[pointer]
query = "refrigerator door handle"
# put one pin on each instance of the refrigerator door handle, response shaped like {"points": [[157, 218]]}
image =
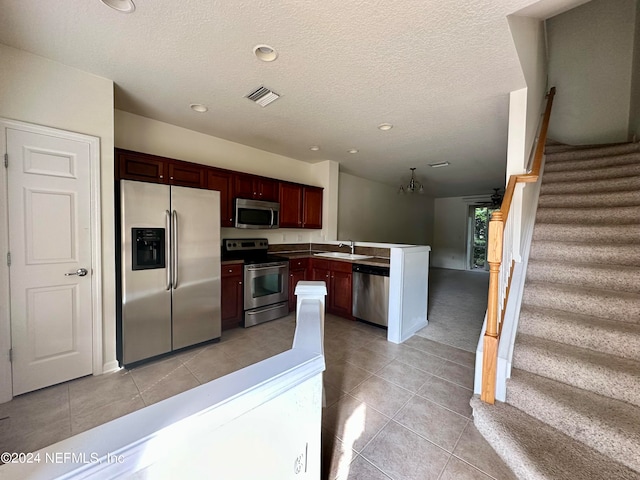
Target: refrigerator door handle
{"points": [[175, 248], [168, 247]]}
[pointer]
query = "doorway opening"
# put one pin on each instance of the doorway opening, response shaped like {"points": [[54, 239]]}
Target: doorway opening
{"points": [[478, 235]]}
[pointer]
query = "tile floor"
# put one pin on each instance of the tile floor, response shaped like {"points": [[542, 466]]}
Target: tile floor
{"points": [[393, 411]]}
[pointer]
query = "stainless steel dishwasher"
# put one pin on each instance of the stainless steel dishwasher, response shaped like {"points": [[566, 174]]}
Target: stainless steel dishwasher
{"points": [[371, 294]]}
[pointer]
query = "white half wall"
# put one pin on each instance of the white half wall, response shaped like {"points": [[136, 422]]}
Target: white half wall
{"points": [[374, 212], [449, 248], [40, 91], [141, 134], [590, 62]]}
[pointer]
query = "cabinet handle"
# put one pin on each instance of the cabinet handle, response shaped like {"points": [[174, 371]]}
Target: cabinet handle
{"points": [[161, 176], [239, 283], [170, 178], [230, 270]]}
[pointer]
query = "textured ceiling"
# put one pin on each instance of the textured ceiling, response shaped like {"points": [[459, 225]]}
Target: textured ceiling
{"points": [[439, 70]]}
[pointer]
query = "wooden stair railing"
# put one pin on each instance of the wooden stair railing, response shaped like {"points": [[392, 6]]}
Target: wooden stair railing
{"points": [[501, 265]]}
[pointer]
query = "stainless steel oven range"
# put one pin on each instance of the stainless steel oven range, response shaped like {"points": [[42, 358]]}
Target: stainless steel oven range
{"points": [[266, 285]]}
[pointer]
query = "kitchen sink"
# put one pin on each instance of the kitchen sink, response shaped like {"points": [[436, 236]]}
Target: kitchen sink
{"points": [[344, 256]]}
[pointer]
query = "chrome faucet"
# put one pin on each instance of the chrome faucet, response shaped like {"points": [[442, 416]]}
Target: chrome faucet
{"points": [[352, 246]]}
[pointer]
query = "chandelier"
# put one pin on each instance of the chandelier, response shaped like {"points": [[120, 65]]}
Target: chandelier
{"points": [[412, 186], [496, 198]]}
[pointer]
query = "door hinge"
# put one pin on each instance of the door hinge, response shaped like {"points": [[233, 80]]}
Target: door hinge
{"points": [[6, 160], [11, 355], [9, 259]]}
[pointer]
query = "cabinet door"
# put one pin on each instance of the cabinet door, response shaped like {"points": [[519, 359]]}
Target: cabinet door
{"points": [[294, 277], [221, 181], [187, 174], [267, 189], [340, 301], [243, 186], [142, 167], [290, 205], [312, 208], [231, 292]]}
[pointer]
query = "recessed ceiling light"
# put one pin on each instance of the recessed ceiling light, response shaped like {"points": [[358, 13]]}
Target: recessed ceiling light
{"points": [[352, 150], [198, 107], [265, 53], [385, 126], [314, 148], [124, 6], [440, 164]]}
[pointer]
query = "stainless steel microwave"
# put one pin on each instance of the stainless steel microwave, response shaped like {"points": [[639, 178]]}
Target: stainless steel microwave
{"points": [[257, 214]]}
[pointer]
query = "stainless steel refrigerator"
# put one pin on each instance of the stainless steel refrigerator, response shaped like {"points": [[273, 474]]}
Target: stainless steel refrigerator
{"points": [[170, 269]]}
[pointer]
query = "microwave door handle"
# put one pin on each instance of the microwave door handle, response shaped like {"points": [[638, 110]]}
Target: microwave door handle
{"points": [[272, 217], [167, 242]]}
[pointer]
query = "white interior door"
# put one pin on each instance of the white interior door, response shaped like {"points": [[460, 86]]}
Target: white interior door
{"points": [[49, 196]]}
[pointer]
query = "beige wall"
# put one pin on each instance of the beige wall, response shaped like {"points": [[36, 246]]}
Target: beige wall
{"points": [[141, 134], [36, 90], [590, 61], [373, 212], [449, 249], [528, 38]]}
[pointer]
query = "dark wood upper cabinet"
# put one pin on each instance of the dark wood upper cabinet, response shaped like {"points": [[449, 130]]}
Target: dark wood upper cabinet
{"points": [[222, 181], [187, 174], [312, 207], [290, 205], [300, 206], [254, 187], [140, 166]]}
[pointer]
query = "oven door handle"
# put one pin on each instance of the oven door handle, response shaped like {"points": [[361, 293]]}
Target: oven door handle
{"points": [[264, 309], [253, 269]]}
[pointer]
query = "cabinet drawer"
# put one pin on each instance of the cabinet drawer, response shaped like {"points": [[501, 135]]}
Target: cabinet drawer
{"points": [[298, 264], [232, 270]]}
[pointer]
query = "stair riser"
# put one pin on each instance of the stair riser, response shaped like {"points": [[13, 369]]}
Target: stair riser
{"points": [[587, 164], [601, 216], [586, 253], [613, 278], [587, 233], [606, 439], [564, 152], [601, 380], [599, 200], [593, 174], [592, 186], [584, 303], [621, 342]]}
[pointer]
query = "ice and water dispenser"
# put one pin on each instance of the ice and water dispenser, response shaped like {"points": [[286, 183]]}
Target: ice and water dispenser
{"points": [[148, 248]]}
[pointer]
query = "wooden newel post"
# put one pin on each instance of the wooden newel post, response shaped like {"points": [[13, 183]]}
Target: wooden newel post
{"points": [[490, 348]]}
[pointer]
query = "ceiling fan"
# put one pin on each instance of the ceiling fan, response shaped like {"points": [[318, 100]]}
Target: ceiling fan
{"points": [[495, 199]]}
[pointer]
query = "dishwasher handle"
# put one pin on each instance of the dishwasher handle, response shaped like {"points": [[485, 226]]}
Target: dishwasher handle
{"points": [[370, 270]]}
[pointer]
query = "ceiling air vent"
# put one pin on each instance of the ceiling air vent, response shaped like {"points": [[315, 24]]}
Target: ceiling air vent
{"points": [[263, 96]]}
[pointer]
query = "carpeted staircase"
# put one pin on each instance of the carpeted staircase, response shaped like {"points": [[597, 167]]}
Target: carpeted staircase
{"points": [[573, 399]]}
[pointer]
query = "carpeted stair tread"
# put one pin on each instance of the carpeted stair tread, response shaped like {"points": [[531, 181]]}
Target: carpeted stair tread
{"points": [[586, 331], [598, 215], [615, 254], [587, 200], [624, 278], [604, 424], [592, 186], [600, 173], [536, 451], [590, 163], [573, 152], [598, 372], [608, 304], [605, 234]]}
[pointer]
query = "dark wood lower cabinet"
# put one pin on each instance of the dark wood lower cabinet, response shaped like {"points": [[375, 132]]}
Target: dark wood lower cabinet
{"points": [[338, 277], [232, 299], [298, 270]]}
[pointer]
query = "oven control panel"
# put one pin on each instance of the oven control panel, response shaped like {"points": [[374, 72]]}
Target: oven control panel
{"points": [[245, 244]]}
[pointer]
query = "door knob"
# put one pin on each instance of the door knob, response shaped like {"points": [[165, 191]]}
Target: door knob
{"points": [[81, 272]]}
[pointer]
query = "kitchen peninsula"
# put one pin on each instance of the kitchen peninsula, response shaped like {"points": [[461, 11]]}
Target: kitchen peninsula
{"points": [[332, 262]]}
